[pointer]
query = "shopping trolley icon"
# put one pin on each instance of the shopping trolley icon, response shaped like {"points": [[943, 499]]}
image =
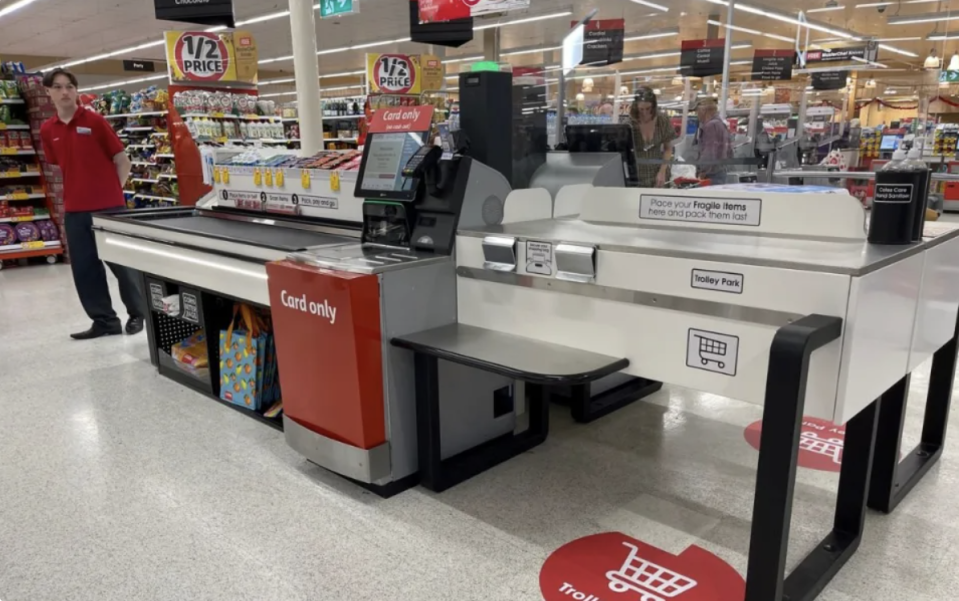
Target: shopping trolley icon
{"points": [[653, 582], [712, 351], [830, 447]]}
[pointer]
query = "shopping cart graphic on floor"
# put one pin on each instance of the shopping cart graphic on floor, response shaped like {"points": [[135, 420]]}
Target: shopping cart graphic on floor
{"points": [[830, 447], [653, 582], [711, 350]]}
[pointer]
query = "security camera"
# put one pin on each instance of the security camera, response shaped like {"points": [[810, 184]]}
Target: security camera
{"points": [[881, 9]]}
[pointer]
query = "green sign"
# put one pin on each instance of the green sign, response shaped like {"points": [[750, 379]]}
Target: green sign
{"points": [[335, 8], [949, 77]]}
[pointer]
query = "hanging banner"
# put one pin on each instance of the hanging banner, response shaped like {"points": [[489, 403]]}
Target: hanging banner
{"points": [[403, 73], [483, 7], [603, 41], [201, 12], [865, 53], [773, 65], [202, 56], [438, 11], [701, 58], [829, 80]]}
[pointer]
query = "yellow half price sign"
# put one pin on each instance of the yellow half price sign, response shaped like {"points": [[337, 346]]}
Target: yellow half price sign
{"points": [[335, 181]]}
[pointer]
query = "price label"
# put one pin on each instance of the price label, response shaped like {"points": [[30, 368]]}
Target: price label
{"points": [[217, 115], [7, 150], [280, 178], [33, 245], [257, 177], [24, 218], [226, 175], [216, 175], [18, 196], [305, 179], [3, 126], [11, 173], [335, 181], [268, 176]]}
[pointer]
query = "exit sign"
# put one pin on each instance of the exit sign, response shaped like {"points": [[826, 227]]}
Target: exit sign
{"points": [[335, 8]]}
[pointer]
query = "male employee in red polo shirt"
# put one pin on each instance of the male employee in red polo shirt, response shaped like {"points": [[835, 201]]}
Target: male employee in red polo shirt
{"points": [[94, 167]]}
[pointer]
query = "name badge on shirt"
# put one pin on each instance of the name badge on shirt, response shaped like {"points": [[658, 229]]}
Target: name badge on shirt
{"points": [[86, 131]]}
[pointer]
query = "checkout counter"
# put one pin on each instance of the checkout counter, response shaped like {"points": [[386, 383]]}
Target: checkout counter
{"points": [[773, 299]]}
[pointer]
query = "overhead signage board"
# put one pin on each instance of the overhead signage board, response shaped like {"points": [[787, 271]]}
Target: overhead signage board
{"points": [[701, 58], [201, 12], [143, 66], [441, 11], [403, 73], [484, 7], [835, 55], [949, 77], [207, 57], [603, 41], [773, 65], [338, 8], [829, 80]]}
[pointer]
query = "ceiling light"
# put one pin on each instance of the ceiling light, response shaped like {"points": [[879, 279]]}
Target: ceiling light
{"points": [[514, 53], [344, 74], [878, 4], [274, 82], [526, 20], [16, 5], [788, 19], [127, 82], [260, 19], [779, 37], [927, 18], [651, 36], [652, 5], [467, 59], [734, 27], [826, 9], [912, 39], [898, 50]]}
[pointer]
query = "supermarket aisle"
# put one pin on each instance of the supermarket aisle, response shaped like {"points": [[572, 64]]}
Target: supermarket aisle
{"points": [[117, 484]]}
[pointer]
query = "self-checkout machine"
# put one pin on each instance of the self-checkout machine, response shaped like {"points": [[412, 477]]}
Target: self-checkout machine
{"points": [[349, 398], [773, 299]]}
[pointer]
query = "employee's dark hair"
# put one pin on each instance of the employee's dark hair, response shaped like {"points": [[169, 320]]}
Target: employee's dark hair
{"points": [[48, 78], [643, 94]]}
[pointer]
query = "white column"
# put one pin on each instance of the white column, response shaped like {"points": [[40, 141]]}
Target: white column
{"points": [[491, 44], [617, 103], [727, 58], [306, 66]]}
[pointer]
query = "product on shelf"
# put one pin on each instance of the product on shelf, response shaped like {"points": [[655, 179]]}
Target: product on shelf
{"points": [[348, 160], [191, 354], [8, 235], [27, 231]]}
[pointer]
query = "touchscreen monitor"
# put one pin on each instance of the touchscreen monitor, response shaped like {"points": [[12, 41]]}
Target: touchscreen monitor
{"points": [[890, 142], [385, 156]]}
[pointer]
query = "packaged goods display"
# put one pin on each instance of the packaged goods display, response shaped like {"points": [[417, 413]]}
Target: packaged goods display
{"points": [[348, 160], [193, 102]]}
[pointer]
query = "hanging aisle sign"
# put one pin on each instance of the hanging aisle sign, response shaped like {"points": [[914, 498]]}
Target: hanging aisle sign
{"points": [[773, 65], [338, 8], [439, 11], [483, 7], [701, 58], [603, 41], [202, 56], [835, 55], [403, 73], [202, 12], [829, 80]]}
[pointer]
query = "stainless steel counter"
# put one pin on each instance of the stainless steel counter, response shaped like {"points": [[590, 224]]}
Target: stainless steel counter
{"points": [[829, 256], [365, 258]]}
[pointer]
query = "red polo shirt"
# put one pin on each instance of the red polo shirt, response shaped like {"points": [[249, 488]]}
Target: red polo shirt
{"points": [[84, 149]]}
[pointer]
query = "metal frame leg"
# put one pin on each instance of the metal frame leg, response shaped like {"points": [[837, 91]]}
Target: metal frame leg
{"points": [[438, 474], [776, 477], [587, 408], [892, 480]]}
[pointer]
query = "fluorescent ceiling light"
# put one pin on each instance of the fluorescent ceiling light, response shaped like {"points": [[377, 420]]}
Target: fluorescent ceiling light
{"points": [[261, 18], [943, 36], [476, 58], [526, 20], [329, 51], [514, 53], [825, 9], [110, 54], [912, 39], [927, 18], [898, 50], [788, 19], [878, 4], [652, 5], [734, 27], [779, 37], [15, 6], [651, 36]]}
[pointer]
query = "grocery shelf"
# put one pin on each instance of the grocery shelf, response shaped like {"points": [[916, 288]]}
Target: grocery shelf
{"points": [[149, 197], [144, 114], [340, 139], [144, 180], [12, 101], [17, 174], [23, 218], [143, 164], [8, 152], [22, 196], [163, 156], [138, 128], [336, 118], [9, 126], [167, 176], [29, 246], [141, 146]]}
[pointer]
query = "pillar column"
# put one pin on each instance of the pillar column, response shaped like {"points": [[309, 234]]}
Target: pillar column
{"points": [[491, 44], [727, 58], [306, 66]]}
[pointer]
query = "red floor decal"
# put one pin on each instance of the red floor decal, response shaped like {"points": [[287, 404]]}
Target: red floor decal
{"points": [[615, 567], [820, 443]]}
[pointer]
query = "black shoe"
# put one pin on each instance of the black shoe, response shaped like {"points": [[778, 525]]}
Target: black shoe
{"points": [[134, 326], [96, 332]]}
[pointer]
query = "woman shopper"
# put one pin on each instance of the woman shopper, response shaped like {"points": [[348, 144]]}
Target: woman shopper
{"points": [[653, 135]]}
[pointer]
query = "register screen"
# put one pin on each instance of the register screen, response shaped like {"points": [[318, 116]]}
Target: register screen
{"points": [[388, 155]]}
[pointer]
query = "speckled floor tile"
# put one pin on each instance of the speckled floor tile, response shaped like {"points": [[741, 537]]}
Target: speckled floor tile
{"points": [[117, 484]]}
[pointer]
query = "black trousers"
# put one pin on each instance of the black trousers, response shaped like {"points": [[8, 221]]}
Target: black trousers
{"points": [[90, 277]]}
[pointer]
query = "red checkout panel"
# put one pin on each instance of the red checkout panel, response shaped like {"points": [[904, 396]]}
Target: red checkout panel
{"points": [[329, 341]]}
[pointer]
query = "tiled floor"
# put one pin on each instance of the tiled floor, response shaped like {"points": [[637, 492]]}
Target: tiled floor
{"points": [[118, 484]]}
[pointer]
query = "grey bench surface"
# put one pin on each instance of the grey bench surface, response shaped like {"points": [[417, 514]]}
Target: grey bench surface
{"points": [[512, 356]]}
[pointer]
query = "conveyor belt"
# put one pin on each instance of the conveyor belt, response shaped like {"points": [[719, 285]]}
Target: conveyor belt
{"points": [[270, 236]]}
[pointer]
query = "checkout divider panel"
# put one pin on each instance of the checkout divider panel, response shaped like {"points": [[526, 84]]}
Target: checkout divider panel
{"points": [[329, 345], [938, 303]]}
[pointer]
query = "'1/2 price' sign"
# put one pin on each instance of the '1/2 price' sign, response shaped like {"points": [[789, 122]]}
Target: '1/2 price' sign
{"points": [[202, 56]]}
